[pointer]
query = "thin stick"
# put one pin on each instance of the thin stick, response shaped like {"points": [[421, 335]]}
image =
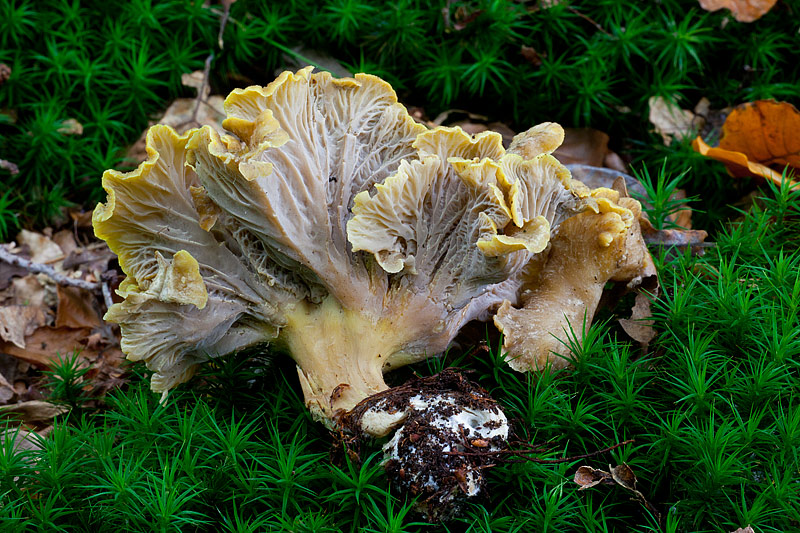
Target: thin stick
{"points": [[589, 20], [521, 453], [201, 91], [224, 21], [39, 268], [107, 296]]}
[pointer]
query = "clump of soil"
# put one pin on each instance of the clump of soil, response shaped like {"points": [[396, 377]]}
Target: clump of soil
{"points": [[447, 433]]}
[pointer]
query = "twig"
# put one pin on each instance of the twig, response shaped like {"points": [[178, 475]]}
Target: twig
{"points": [[589, 20], [39, 268], [223, 21], [201, 92], [107, 295], [521, 453]]}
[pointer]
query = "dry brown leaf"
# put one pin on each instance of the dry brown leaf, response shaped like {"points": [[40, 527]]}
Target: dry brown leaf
{"points": [[32, 412], [76, 309], [639, 326], [742, 10], [42, 248], [71, 127], [624, 476], [26, 290], [583, 146], [588, 477], [747, 529], [594, 177], [7, 390], [24, 440], [44, 346], [19, 321], [671, 121], [532, 56], [65, 239], [9, 272]]}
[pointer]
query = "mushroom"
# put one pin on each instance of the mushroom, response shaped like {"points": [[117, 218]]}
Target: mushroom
{"points": [[330, 224], [564, 286]]}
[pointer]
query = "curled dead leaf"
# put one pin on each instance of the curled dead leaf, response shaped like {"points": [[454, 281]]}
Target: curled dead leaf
{"points": [[19, 321], [624, 477], [588, 477], [532, 56], [7, 391], [71, 127], [76, 309], [640, 325], [31, 412], [742, 10], [671, 121], [758, 139], [5, 73]]}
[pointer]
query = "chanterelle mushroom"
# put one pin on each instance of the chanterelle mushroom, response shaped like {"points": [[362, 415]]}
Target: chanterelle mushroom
{"points": [[326, 221], [561, 296]]}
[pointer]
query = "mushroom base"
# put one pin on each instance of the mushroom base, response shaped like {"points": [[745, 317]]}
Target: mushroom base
{"points": [[447, 433]]}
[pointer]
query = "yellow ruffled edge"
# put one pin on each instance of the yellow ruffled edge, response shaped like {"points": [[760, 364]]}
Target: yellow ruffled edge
{"points": [[184, 269], [532, 235]]}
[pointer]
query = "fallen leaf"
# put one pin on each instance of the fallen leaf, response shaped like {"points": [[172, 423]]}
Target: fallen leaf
{"points": [[747, 529], [318, 58], [33, 411], [42, 248], [588, 477], [765, 131], [44, 346], [624, 476], [24, 440], [463, 17], [742, 10], [9, 272], [758, 139], [671, 121], [639, 326], [7, 391], [76, 309], [18, 321], [11, 167], [532, 56], [583, 146], [71, 126], [26, 290], [196, 80], [65, 239], [737, 163]]}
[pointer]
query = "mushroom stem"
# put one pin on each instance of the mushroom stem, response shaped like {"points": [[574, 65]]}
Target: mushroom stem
{"points": [[340, 355]]}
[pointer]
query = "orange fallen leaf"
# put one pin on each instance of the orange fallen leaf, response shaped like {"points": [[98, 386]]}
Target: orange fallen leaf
{"points": [[755, 136], [766, 131], [736, 162], [742, 10]]}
